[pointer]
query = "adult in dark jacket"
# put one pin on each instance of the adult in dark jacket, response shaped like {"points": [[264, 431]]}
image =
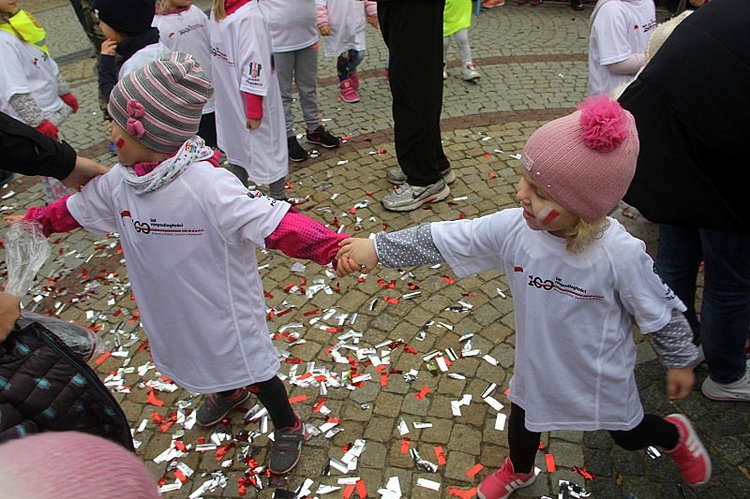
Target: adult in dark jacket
{"points": [[29, 152], [691, 107]]}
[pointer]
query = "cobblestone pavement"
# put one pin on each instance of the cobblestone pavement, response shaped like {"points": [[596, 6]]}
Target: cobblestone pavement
{"points": [[386, 395]]}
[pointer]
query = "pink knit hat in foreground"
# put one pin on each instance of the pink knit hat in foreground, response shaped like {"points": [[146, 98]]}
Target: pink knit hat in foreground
{"points": [[72, 465], [586, 160]]}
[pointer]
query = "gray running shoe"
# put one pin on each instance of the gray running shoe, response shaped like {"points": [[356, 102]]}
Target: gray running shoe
{"points": [[396, 176], [215, 406], [287, 448], [409, 197]]}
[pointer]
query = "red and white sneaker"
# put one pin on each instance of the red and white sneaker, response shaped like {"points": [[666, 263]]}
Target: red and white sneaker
{"points": [[503, 482], [689, 455]]}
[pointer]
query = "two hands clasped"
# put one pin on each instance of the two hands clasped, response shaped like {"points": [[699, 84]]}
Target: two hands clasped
{"points": [[355, 255]]}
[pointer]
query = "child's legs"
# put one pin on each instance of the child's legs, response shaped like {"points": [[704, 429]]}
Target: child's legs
{"points": [[464, 47], [522, 442], [652, 430], [272, 394], [446, 46], [207, 130], [348, 62], [306, 77], [284, 62]]}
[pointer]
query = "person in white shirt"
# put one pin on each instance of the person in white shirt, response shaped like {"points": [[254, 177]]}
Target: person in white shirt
{"points": [[183, 27], [189, 232], [131, 40], [620, 30], [249, 115], [577, 277], [294, 37], [342, 23]]}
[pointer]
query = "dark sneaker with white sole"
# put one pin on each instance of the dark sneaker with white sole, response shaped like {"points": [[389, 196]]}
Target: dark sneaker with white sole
{"points": [[216, 406], [287, 448], [407, 197], [322, 137], [297, 153]]}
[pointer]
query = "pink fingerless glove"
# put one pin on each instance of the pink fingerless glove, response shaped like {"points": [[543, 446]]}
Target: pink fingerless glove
{"points": [[49, 129], [71, 101], [253, 106], [55, 217], [300, 236]]}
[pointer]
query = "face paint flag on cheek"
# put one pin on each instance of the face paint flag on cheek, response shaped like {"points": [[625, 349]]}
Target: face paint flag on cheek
{"points": [[547, 214]]}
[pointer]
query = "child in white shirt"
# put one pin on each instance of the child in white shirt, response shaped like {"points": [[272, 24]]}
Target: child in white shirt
{"points": [[343, 23], [576, 277], [183, 27], [189, 232]]}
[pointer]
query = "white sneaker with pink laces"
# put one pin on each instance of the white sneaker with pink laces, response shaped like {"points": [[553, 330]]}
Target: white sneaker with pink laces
{"points": [[503, 482]]}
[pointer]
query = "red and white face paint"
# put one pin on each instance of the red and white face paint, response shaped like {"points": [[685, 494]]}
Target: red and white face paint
{"points": [[547, 214]]}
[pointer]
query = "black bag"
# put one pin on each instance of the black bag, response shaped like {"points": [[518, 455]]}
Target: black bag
{"points": [[46, 386]]}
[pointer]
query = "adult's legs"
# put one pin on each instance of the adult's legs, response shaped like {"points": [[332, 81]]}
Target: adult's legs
{"points": [[678, 259], [413, 32], [725, 311]]}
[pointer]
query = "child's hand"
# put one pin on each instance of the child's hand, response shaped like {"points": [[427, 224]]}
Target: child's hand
{"points": [[680, 382], [11, 219], [373, 21], [252, 124], [108, 47], [361, 251], [345, 266], [324, 30]]}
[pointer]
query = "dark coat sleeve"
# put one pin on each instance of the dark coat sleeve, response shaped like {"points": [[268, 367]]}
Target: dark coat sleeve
{"points": [[29, 152], [691, 106]]}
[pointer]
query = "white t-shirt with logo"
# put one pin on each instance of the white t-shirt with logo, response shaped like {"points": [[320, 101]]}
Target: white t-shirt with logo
{"points": [[24, 69], [242, 62], [291, 23], [620, 28], [187, 32], [190, 251], [348, 20], [575, 353]]}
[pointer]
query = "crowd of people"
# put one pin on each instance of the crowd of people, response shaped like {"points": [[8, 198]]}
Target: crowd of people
{"points": [[179, 99]]}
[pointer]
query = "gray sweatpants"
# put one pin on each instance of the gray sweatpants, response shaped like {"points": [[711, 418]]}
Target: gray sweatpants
{"points": [[299, 67]]}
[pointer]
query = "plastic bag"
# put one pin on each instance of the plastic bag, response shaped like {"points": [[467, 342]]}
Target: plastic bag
{"points": [[26, 250], [81, 340]]}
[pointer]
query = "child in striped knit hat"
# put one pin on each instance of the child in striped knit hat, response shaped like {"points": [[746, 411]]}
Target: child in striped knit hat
{"points": [[189, 232]]}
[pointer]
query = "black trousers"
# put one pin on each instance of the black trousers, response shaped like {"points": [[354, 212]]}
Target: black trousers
{"points": [[652, 430], [413, 32]]}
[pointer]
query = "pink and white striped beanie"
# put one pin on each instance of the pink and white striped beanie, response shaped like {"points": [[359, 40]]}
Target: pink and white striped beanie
{"points": [[160, 105]]}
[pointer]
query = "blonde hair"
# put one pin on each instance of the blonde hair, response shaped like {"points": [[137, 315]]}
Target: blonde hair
{"points": [[219, 11], [583, 233]]}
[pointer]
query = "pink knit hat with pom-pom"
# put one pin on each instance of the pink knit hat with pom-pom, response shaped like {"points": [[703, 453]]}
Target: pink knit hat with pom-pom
{"points": [[585, 160]]}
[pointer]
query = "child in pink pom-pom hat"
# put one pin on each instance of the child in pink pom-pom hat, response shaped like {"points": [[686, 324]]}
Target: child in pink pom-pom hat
{"points": [[577, 277]]}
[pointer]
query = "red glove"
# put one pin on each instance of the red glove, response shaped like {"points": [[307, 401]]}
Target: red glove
{"points": [[49, 129], [71, 101]]}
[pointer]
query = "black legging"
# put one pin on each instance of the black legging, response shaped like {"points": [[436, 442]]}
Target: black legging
{"points": [[272, 394], [652, 430]]}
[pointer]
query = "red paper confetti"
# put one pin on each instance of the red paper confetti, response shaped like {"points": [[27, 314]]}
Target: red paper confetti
{"points": [[405, 445], [474, 470], [440, 455], [448, 280], [464, 494], [361, 489], [422, 393], [102, 358], [297, 399], [153, 400], [550, 463], [584, 473]]}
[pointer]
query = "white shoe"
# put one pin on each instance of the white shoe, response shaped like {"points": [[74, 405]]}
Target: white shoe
{"points": [[737, 391], [470, 73]]}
